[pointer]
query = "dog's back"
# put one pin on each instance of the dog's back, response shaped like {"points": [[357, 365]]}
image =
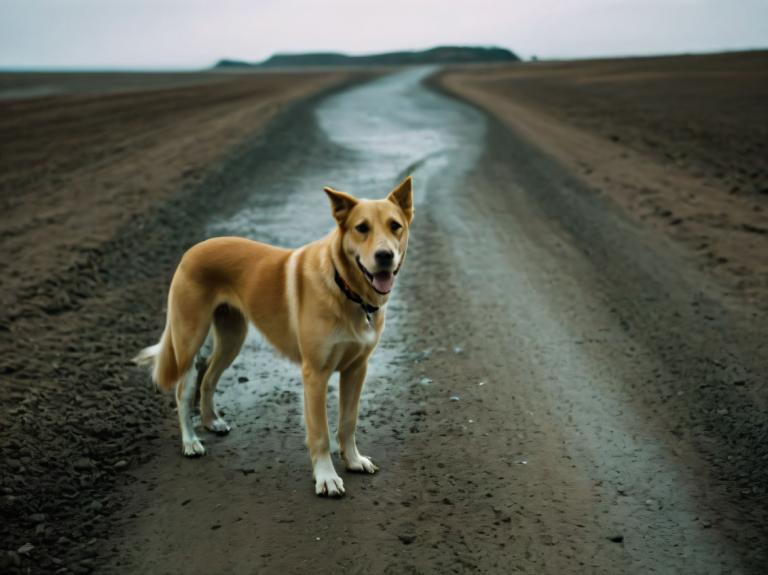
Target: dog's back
{"points": [[213, 273]]}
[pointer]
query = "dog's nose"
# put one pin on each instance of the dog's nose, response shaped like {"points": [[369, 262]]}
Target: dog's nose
{"points": [[384, 257]]}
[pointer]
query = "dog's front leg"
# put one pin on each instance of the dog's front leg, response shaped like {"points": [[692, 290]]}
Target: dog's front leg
{"points": [[327, 481], [350, 388]]}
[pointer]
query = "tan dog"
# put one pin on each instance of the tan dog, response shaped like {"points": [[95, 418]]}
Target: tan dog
{"points": [[321, 305]]}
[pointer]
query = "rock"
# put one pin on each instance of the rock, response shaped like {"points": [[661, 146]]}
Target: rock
{"points": [[455, 398], [654, 504], [37, 517], [25, 549], [83, 464], [618, 538], [96, 506], [407, 538], [122, 464], [242, 379], [10, 559]]}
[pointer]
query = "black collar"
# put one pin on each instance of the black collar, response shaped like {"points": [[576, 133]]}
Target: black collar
{"points": [[351, 295]]}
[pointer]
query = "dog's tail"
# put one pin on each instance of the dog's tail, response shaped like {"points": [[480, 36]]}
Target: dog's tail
{"points": [[161, 357]]}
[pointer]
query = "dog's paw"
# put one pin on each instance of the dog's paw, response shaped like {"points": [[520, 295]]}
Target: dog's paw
{"points": [[218, 426], [361, 464], [329, 485], [193, 448]]}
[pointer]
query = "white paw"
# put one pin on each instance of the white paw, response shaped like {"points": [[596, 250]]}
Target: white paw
{"points": [[329, 485], [327, 481], [362, 464], [218, 426], [193, 448]]}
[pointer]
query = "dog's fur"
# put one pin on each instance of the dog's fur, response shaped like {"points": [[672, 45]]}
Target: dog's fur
{"points": [[293, 298]]}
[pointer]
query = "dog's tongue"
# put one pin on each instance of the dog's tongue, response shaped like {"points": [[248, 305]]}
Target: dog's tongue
{"points": [[383, 281]]}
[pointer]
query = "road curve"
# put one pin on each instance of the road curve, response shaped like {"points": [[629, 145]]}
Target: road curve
{"points": [[543, 399]]}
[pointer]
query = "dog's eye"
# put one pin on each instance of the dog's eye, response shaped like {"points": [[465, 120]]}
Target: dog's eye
{"points": [[362, 228], [394, 226]]}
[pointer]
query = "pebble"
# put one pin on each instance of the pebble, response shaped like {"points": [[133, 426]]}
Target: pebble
{"points": [[455, 398], [618, 538], [407, 538], [25, 549], [11, 558], [83, 464]]}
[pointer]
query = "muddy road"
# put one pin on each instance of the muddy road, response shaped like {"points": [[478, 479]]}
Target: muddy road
{"points": [[557, 389]]}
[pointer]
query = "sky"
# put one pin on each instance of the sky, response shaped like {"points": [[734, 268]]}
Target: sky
{"points": [[191, 34]]}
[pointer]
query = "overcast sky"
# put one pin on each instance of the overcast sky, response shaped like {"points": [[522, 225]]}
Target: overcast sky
{"points": [[196, 33]]}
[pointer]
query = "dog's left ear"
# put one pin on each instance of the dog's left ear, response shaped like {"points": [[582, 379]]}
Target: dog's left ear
{"points": [[402, 196], [341, 204]]}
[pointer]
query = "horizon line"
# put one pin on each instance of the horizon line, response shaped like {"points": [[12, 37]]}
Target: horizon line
{"points": [[255, 64]]}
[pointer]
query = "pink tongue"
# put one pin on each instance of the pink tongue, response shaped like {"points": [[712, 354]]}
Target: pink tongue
{"points": [[383, 281]]}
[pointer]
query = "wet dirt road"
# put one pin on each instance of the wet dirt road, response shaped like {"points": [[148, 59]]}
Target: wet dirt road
{"points": [[554, 392]]}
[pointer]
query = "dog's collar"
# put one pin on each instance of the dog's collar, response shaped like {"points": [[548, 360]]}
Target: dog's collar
{"points": [[353, 296]]}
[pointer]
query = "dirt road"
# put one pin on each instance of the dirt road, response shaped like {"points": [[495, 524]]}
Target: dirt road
{"points": [[555, 393], [557, 390]]}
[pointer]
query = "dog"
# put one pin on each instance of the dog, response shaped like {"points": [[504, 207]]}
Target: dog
{"points": [[321, 306]]}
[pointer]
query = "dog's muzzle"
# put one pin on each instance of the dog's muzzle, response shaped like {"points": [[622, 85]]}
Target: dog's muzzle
{"points": [[381, 280]]}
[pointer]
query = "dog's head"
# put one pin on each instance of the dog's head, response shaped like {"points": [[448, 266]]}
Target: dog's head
{"points": [[374, 233]]}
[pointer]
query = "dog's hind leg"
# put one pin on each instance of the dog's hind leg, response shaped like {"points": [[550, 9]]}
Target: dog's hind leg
{"points": [[229, 331], [190, 319], [185, 400]]}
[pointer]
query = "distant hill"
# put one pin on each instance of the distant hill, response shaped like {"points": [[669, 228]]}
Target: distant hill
{"points": [[439, 55]]}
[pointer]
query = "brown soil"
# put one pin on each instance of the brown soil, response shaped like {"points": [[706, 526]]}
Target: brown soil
{"points": [[680, 142], [79, 166]]}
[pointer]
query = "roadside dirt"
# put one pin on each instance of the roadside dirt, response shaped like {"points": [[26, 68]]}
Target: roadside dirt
{"points": [[79, 166], [101, 191], [681, 143]]}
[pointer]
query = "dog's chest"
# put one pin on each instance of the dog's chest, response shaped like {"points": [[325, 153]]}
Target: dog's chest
{"points": [[367, 336], [363, 332]]}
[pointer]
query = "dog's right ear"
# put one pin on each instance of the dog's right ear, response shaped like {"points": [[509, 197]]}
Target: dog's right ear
{"points": [[341, 204]]}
